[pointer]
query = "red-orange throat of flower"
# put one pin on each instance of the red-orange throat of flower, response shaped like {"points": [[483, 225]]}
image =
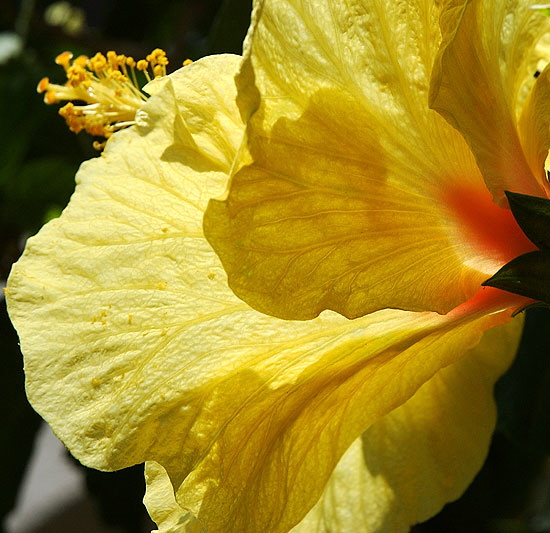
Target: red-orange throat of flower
{"points": [[489, 235]]}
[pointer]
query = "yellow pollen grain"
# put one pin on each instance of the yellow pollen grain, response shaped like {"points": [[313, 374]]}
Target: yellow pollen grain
{"points": [[98, 62], [64, 58], [81, 61], [43, 85]]}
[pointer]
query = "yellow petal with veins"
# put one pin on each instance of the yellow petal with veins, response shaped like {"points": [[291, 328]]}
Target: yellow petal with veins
{"points": [[489, 53], [423, 454], [345, 205], [270, 434], [407, 465], [136, 349]]}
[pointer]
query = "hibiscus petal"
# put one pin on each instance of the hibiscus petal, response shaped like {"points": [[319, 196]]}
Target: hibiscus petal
{"points": [[423, 454], [488, 51], [114, 277], [136, 350], [343, 207], [405, 467], [533, 126], [162, 505]]}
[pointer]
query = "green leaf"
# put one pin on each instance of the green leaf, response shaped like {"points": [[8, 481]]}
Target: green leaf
{"points": [[533, 216], [526, 275]]}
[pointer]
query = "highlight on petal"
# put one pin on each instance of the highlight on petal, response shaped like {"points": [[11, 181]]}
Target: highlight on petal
{"points": [[341, 207], [162, 505], [533, 126], [489, 50], [406, 466], [425, 453]]}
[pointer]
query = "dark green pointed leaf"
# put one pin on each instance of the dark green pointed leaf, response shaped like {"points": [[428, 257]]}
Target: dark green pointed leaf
{"points": [[533, 216], [534, 305], [526, 275]]}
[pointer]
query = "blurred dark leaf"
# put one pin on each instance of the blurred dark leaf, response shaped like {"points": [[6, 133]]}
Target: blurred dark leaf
{"points": [[523, 393], [38, 155], [41, 184], [230, 27], [19, 421], [22, 114]]}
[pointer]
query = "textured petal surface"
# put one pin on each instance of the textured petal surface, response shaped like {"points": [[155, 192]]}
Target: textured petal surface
{"points": [[489, 53], [344, 205], [118, 277], [136, 350], [421, 455]]}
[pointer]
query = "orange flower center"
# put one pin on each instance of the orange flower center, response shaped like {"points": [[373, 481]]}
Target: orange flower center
{"points": [[489, 235]]}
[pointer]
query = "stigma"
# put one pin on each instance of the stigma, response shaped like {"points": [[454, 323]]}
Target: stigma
{"points": [[102, 92]]}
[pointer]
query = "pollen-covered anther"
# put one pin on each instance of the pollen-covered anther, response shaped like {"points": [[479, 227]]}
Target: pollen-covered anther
{"points": [[105, 87], [64, 59]]}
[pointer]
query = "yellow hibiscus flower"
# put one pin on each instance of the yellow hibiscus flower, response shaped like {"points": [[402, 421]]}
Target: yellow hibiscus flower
{"points": [[348, 172]]}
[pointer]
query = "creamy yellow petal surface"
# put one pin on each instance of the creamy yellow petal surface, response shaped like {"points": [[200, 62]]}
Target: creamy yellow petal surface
{"points": [[161, 503], [488, 55], [425, 453], [344, 207], [405, 467], [136, 350]]}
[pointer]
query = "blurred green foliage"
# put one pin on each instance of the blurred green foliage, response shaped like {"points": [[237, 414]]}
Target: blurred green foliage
{"points": [[38, 160]]}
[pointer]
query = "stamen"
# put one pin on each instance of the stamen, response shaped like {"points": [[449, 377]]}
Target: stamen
{"points": [[108, 88]]}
